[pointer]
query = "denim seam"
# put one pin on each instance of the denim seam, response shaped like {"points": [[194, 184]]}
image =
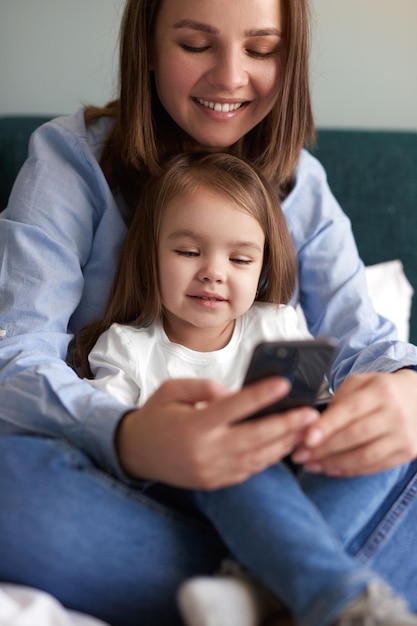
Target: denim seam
{"points": [[391, 519]]}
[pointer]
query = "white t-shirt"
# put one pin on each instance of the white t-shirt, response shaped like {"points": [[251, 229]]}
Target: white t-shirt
{"points": [[130, 363]]}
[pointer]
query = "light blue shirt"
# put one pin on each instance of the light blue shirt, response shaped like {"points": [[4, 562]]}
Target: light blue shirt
{"points": [[59, 241]]}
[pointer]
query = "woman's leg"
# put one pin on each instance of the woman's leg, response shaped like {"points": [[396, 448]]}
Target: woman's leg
{"points": [[95, 544]]}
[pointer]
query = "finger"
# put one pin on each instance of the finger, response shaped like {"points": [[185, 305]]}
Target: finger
{"points": [[243, 459], [352, 403], [287, 427], [246, 401], [379, 455], [351, 436], [258, 459]]}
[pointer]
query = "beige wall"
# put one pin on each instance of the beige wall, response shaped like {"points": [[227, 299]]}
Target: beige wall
{"points": [[364, 63], [58, 54]]}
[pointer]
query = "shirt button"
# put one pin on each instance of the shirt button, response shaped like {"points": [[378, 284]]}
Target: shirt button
{"points": [[3, 333]]}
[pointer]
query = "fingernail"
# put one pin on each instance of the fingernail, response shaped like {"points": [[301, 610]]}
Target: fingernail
{"points": [[334, 473], [310, 417], [313, 468], [301, 456], [314, 437]]}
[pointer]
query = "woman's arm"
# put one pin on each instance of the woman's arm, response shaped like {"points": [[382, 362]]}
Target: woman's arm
{"points": [[188, 433], [372, 422], [59, 239], [332, 284]]}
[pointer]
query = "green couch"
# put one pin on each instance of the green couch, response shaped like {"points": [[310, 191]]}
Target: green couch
{"points": [[372, 173]]}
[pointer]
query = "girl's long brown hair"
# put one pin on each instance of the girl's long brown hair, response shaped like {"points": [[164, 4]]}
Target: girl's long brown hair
{"points": [[134, 296], [144, 136]]}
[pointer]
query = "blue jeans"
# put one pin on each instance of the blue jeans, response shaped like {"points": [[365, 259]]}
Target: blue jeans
{"points": [[120, 554], [293, 549]]}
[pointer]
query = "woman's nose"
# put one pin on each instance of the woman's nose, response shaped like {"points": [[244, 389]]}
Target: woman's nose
{"points": [[228, 71]]}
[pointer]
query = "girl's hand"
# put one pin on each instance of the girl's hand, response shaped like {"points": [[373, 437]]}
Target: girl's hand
{"points": [[370, 426], [188, 433]]}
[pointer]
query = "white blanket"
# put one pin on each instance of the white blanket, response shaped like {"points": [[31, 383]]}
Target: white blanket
{"points": [[22, 606]]}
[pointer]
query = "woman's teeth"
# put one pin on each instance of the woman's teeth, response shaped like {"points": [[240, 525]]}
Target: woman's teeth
{"points": [[217, 106]]}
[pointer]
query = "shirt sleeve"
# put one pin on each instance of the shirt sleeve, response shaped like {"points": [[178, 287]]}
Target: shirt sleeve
{"points": [[58, 213], [332, 283], [114, 366]]}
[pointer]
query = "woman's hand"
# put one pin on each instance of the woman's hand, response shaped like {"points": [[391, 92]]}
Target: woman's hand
{"points": [[370, 426], [188, 433]]}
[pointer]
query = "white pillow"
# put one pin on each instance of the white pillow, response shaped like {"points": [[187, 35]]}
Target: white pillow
{"points": [[390, 292]]}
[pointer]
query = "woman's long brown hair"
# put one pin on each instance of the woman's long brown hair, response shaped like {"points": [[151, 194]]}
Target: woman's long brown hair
{"points": [[134, 296], [144, 136]]}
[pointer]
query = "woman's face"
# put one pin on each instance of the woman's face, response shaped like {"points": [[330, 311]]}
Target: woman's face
{"points": [[218, 65]]}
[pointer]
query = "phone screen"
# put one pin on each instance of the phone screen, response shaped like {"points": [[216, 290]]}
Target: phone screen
{"points": [[304, 362]]}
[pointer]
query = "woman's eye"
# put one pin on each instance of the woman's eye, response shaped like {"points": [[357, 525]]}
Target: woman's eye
{"points": [[261, 55], [194, 49]]}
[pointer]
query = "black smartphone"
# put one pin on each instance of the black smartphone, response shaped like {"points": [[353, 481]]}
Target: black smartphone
{"points": [[304, 362]]}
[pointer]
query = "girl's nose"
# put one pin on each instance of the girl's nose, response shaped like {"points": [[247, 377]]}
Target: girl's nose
{"points": [[228, 71], [212, 272]]}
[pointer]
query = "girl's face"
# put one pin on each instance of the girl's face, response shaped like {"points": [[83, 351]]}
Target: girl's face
{"points": [[218, 65], [210, 255]]}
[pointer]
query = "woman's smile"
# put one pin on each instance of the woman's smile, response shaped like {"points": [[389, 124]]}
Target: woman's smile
{"points": [[217, 62], [220, 107]]}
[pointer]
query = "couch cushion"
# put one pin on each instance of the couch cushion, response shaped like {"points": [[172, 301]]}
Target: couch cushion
{"points": [[373, 174], [15, 131]]}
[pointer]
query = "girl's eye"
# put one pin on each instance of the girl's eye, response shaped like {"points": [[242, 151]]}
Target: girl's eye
{"points": [[187, 253], [241, 261]]}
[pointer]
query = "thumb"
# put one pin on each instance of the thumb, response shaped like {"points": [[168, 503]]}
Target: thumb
{"points": [[248, 400]]}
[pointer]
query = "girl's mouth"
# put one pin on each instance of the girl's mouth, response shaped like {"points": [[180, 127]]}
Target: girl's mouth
{"points": [[209, 298]]}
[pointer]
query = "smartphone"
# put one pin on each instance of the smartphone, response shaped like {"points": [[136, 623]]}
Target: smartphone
{"points": [[304, 362]]}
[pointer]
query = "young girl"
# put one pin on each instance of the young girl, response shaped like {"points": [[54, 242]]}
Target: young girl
{"points": [[83, 514], [204, 271], [208, 238]]}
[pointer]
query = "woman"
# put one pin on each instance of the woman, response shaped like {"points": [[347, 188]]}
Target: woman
{"points": [[81, 484]]}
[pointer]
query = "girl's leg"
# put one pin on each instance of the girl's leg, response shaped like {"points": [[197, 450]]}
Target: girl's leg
{"points": [[95, 544], [348, 504], [388, 542], [376, 518], [273, 529]]}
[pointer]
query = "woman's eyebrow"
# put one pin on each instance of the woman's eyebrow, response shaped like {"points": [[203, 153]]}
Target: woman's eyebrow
{"points": [[201, 26], [263, 32], [212, 30]]}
